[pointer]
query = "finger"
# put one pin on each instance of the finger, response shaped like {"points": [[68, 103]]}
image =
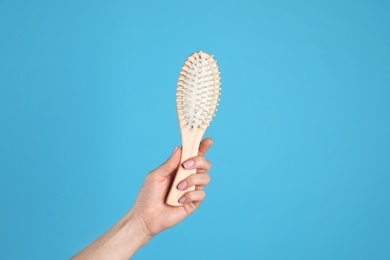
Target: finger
{"points": [[205, 146], [169, 165], [197, 162], [193, 196], [200, 180]]}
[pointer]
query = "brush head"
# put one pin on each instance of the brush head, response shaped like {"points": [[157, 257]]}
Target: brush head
{"points": [[198, 90]]}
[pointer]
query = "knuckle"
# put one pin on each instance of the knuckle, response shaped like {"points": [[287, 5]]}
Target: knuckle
{"points": [[198, 161], [190, 196], [210, 164], [190, 180]]}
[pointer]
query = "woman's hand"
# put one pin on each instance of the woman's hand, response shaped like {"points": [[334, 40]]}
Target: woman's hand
{"points": [[150, 204], [150, 214]]}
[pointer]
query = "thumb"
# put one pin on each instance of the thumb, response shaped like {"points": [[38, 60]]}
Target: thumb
{"points": [[169, 165]]}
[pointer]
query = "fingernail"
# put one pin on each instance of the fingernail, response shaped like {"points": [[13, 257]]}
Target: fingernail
{"points": [[182, 185], [174, 150], [188, 164], [182, 199]]}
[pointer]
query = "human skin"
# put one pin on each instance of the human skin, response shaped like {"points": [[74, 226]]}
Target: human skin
{"points": [[150, 214]]}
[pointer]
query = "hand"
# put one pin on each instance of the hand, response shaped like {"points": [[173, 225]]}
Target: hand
{"points": [[150, 214], [150, 204]]}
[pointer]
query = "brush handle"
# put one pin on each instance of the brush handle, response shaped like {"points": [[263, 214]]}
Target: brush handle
{"points": [[190, 149]]}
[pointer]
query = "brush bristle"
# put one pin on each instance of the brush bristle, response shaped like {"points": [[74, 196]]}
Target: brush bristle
{"points": [[198, 90]]}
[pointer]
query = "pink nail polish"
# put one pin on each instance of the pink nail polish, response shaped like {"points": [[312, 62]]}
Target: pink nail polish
{"points": [[188, 164], [182, 199], [182, 185], [174, 150]]}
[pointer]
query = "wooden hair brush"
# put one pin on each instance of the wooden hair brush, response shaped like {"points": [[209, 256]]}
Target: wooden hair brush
{"points": [[197, 97]]}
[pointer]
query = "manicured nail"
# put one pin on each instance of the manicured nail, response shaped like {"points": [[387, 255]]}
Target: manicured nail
{"points": [[182, 199], [182, 185], [188, 164], [174, 150]]}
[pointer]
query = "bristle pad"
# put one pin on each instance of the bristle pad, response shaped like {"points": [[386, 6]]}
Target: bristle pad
{"points": [[198, 90]]}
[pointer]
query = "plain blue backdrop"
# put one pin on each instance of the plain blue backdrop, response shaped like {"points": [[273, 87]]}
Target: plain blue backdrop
{"points": [[301, 160]]}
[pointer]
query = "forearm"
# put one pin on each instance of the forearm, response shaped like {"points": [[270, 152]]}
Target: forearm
{"points": [[120, 242]]}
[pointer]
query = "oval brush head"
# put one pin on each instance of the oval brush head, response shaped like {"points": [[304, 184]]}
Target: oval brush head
{"points": [[197, 97], [198, 90]]}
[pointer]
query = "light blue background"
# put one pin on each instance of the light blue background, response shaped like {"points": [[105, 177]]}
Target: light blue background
{"points": [[301, 166]]}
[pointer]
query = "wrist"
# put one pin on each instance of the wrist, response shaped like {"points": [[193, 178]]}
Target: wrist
{"points": [[121, 241], [134, 233], [136, 224]]}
